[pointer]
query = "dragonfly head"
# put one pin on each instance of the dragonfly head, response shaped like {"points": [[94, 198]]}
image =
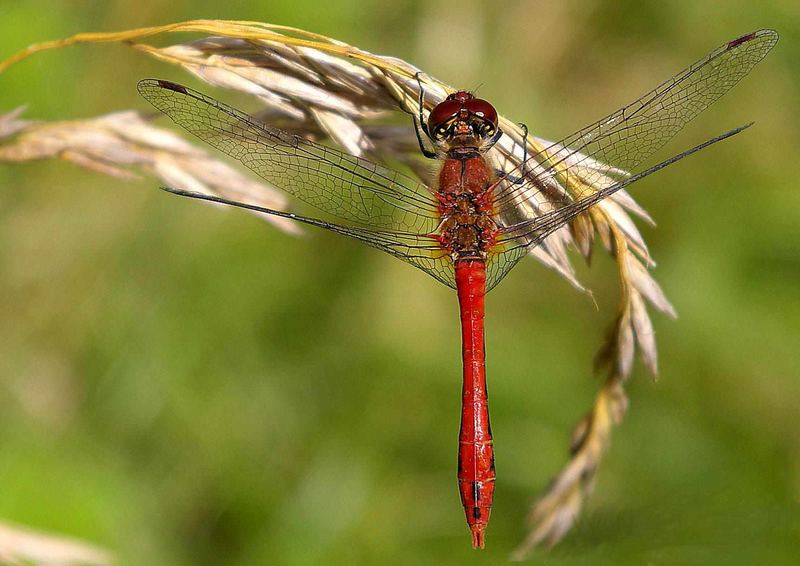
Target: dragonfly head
{"points": [[461, 120]]}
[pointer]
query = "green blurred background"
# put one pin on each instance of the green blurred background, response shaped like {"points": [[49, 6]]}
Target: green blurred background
{"points": [[184, 386]]}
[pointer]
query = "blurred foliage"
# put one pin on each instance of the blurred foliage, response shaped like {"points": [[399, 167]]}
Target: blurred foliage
{"points": [[188, 386]]}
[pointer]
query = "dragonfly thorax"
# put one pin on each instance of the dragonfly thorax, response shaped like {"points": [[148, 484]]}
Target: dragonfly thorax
{"points": [[467, 234], [465, 205]]}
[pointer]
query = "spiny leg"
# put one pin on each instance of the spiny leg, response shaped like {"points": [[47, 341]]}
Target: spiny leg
{"points": [[513, 179], [419, 123]]}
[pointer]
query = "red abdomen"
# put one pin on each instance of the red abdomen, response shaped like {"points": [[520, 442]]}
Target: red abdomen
{"points": [[476, 474]]}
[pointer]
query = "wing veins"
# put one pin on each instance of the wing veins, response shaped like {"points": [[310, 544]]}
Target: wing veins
{"points": [[646, 110]]}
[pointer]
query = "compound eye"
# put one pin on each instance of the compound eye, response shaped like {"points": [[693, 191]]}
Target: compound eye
{"points": [[441, 115], [483, 109]]}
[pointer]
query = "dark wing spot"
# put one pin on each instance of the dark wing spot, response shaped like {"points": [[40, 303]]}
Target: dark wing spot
{"points": [[739, 40], [169, 85]]}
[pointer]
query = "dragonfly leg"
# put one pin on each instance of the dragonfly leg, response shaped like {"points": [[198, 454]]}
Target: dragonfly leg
{"points": [[524, 145], [513, 179], [420, 127], [429, 153]]}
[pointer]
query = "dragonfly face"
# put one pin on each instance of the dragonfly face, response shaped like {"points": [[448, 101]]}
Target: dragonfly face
{"points": [[462, 121]]}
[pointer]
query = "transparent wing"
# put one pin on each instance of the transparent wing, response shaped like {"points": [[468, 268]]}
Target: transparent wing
{"points": [[625, 138], [500, 260], [379, 206], [528, 233], [569, 176], [346, 187], [419, 250]]}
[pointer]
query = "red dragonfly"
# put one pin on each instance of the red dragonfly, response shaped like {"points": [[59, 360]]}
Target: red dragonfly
{"points": [[467, 230]]}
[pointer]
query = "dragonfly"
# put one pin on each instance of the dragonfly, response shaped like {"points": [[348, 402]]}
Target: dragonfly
{"points": [[466, 229]]}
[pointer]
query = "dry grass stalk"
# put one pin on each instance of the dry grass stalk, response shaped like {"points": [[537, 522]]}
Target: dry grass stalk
{"points": [[320, 87], [20, 545], [556, 511], [122, 143]]}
